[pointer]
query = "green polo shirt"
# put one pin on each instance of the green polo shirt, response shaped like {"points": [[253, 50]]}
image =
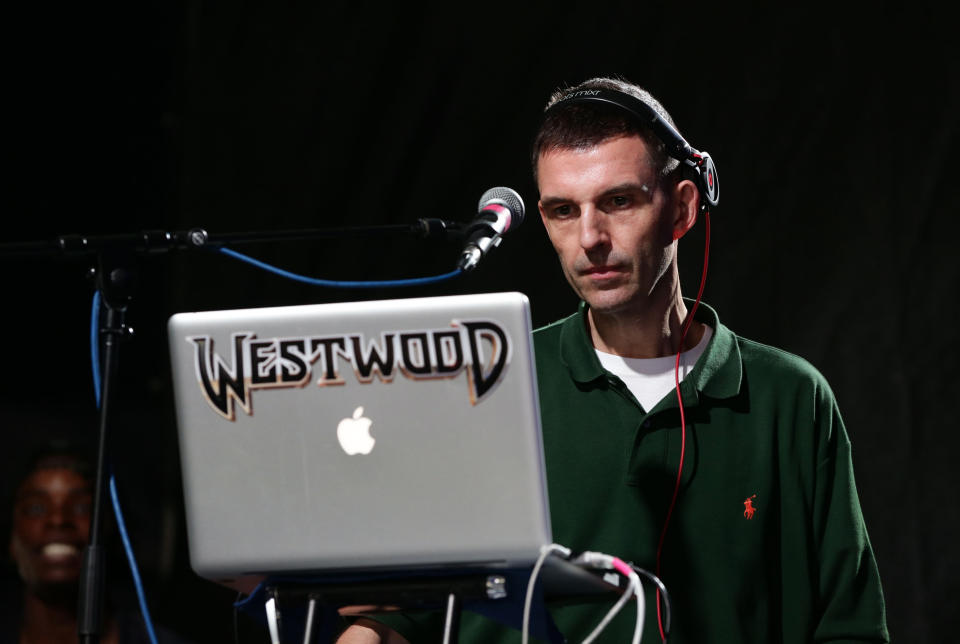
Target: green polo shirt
{"points": [[766, 542]]}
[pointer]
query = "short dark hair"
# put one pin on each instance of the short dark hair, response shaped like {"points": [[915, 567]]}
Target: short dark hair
{"points": [[578, 126], [55, 453]]}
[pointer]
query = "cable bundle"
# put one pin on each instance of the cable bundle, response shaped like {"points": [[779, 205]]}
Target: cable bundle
{"points": [[604, 562]]}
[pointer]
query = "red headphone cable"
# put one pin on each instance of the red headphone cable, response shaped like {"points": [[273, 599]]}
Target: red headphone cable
{"points": [[683, 419]]}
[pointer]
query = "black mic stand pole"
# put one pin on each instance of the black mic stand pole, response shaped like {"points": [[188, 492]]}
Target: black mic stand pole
{"points": [[116, 280]]}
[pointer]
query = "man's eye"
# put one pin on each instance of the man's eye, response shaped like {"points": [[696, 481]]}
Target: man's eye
{"points": [[35, 509], [562, 211], [620, 201], [82, 508]]}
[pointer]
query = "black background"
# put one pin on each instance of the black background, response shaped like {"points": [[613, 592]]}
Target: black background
{"points": [[835, 238]]}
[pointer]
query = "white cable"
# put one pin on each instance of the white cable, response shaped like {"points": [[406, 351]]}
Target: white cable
{"points": [[634, 588], [545, 552], [624, 598], [641, 609], [273, 622]]}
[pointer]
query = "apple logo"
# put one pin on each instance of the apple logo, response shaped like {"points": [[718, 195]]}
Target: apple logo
{"points": [[354, 433]]}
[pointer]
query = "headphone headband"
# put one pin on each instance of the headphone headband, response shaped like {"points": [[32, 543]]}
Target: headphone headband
{"points": [[703, 169]]}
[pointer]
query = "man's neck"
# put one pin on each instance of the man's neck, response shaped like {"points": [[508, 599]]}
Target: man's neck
{"points": [[47, 620], [651, 331], [51, 620]]}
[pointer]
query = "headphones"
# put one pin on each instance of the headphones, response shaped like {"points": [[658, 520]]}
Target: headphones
{"points": [[698, 166]]}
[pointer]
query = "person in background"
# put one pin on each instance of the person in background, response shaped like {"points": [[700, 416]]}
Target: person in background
{"points": [[51, 514]]}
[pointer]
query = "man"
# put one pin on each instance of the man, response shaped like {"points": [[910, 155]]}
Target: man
{"points": [[51, 526], [745, 503]]}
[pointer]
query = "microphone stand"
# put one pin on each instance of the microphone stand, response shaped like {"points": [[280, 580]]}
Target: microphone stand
{"points": [[152, 242], [116, 278]]}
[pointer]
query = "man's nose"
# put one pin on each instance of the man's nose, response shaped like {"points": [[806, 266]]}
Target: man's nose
{"points": [[593, 229], [58, 516]]}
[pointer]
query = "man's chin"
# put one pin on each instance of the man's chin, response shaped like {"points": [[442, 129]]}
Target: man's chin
{"points": [[608, 301], [57, 591]]}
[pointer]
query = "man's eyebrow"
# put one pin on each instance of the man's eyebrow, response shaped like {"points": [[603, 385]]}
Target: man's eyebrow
{"points": [[552, 201], [31, 492], [630, 186], [39, 491]]}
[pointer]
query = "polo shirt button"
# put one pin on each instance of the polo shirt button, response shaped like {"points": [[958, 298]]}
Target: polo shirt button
{"points": [[646, 424]]}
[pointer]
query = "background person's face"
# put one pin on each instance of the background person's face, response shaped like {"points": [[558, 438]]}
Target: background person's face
{"points": [[51, 525]]}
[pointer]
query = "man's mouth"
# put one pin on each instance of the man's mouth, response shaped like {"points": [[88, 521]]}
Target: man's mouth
{"points": [[601, 272], [60, 550]]}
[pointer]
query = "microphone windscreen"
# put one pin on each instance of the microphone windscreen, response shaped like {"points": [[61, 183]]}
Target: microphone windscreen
{"points": [[509, 198]]}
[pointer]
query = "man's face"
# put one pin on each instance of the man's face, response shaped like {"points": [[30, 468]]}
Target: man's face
{"points": [[609, 220], [51, 525]]}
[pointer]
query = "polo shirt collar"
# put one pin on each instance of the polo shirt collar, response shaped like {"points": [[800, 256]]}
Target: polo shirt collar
{"points": [[576, 348], [717, 374]]}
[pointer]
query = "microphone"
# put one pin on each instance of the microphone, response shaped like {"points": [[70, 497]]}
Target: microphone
{"points": [[500, 209]]}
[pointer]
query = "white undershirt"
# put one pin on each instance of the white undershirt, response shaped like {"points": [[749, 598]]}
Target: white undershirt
{"points": [[650, 379]]}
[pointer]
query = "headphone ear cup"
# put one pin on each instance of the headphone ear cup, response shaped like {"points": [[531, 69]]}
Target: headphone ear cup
{"points": [[708, 181]]}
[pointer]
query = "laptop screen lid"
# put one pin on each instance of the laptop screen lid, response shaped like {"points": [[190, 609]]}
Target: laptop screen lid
{"points": [[357, 436]]}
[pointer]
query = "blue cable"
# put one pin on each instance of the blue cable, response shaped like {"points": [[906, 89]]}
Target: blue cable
{"points": [[131, 558], [417, 281], [117, 511], [95, 344], [240, 603]]}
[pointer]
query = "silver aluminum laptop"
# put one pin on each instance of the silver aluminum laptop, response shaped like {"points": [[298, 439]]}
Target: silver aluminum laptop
{"points": [[359, 436]]}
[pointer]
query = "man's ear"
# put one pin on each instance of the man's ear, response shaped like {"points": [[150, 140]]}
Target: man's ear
{"points": [[543, 219], [686, 203]]}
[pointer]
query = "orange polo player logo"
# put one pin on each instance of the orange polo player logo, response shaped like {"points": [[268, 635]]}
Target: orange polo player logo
{"points": [[749, 509]]}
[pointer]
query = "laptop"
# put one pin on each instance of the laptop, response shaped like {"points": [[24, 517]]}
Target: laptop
{"points": [[393, 434]]}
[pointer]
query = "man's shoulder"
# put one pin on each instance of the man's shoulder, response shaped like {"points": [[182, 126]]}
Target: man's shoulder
{"points": [[764, 363], [552, 329], [546, 339]]}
